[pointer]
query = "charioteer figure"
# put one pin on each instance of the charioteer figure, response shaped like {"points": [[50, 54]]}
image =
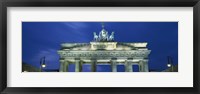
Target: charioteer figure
{"points": [[103, 36]]}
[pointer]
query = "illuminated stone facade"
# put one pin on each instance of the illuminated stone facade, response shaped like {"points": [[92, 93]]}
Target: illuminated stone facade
{"points": [[104, 50]]}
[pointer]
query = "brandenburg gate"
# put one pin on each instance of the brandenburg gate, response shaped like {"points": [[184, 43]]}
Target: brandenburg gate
{"points": [[104, 50]]}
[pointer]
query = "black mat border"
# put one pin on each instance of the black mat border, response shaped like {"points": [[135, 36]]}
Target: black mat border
{"points": [[98, 3]]}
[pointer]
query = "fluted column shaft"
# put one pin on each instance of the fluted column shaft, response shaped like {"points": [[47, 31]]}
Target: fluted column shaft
{"points": [[114, 64], [128, 65], [61, 66], [144, 66], [78, 66], [66, 64]]}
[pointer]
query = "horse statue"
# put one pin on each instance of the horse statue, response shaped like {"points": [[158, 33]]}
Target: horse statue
{"points": [[111, 38], [95, 36]]}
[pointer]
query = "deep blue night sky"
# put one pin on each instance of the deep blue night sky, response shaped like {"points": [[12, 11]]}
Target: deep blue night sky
{"points": [[44, 38]]}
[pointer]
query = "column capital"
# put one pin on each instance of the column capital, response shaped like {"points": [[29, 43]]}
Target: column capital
{"points": [[144, 60], [61, 61]]}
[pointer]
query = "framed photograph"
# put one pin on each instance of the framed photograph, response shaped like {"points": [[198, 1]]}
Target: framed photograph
{"points": [[85, 46]]}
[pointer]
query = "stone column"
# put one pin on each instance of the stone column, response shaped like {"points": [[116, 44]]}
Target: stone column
{"points": [[141, 64], [146, 66], [64, 66], [77, 65], [113, 64], [66, 63], [93, 64], [61, 66], [140, 68], [128, 65]]}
